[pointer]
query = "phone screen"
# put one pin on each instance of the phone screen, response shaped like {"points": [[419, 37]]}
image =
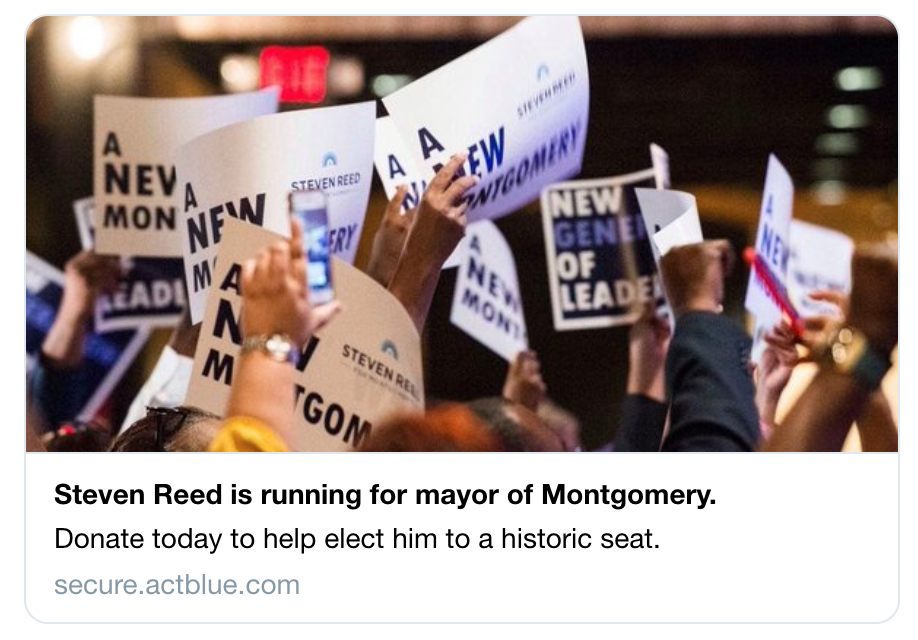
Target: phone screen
{"points": [[311, 210]]}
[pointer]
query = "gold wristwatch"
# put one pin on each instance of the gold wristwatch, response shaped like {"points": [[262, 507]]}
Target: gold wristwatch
{"points": [[847, 350], [278, 346]]}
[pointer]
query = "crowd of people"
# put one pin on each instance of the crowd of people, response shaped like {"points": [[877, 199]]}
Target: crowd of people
{"points": [[690, 387]]}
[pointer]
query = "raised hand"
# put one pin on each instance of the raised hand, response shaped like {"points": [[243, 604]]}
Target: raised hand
{"points": [[524, 384], [390, 238], [275, 293], [693, 276]]}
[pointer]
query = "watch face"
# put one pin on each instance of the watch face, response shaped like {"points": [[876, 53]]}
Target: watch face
{"points": [[279, 348], [843, 342]]}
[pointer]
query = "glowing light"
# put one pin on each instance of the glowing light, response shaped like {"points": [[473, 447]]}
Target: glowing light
{"points": [[848, 116], [300, 72], [87, 37], [385, 84], [239, 73], [345, 77], [837, 144], [829, 169], [830, 192], [859, 79]]}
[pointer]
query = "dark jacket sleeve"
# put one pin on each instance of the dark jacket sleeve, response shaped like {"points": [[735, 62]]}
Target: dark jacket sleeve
{"points": [[710, 386], [641, 425]]}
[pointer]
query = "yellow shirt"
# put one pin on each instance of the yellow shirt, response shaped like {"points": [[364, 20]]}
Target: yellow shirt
{"points": [[241, 433]]}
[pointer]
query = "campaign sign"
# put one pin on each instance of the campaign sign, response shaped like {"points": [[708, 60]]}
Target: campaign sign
{"points": [[670, 218], [150, 293], [772, 245], [247, 171], [361, 368], [518, 105], [105, 357], [135, 182], [486, 302], [660, 161], [820, 260], [84, 210], [396, 166], [600, 264]]}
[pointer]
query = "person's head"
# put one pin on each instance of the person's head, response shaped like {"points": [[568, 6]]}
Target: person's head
{"points": [[78, 437], [448, 427], [518, 428], [165, 429], [564, 423]]}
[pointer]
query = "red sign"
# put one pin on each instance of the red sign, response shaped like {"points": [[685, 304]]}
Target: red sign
{"points": [[300, 72]]}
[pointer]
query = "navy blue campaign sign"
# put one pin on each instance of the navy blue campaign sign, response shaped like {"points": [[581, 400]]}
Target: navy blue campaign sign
{"points": [[106, 356], [600, 264], [151, 293]]}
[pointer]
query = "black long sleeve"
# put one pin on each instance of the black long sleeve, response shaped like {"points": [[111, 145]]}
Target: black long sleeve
{"points": [[641, 425], [710, 386]]}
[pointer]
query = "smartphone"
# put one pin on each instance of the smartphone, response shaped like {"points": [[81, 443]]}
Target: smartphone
{"points": [[311, 209]]}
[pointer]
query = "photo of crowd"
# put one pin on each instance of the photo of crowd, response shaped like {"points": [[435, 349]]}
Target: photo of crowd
{"points": [[437, 253]]}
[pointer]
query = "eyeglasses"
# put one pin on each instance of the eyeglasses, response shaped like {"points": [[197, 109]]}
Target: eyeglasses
{"points": [[168, 422]]}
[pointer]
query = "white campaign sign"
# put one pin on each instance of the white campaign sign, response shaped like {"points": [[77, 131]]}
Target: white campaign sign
{"points": [[670, 218], [364, 366], [84, 212], [660, 161], [519, 105], [486, 302], [820, 260], [772, 243], [135, 181], [396, 166], [248, 170]]}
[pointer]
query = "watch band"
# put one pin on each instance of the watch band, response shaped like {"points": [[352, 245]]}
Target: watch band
{"points": [[279, 347]]}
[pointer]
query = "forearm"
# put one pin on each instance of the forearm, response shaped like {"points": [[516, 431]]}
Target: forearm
{"points": [[184, 338], [877, 427], [63, 346], [818, 424], [766, 401], [263, 389], [649, 384], [414, 285], [381, 266]]}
